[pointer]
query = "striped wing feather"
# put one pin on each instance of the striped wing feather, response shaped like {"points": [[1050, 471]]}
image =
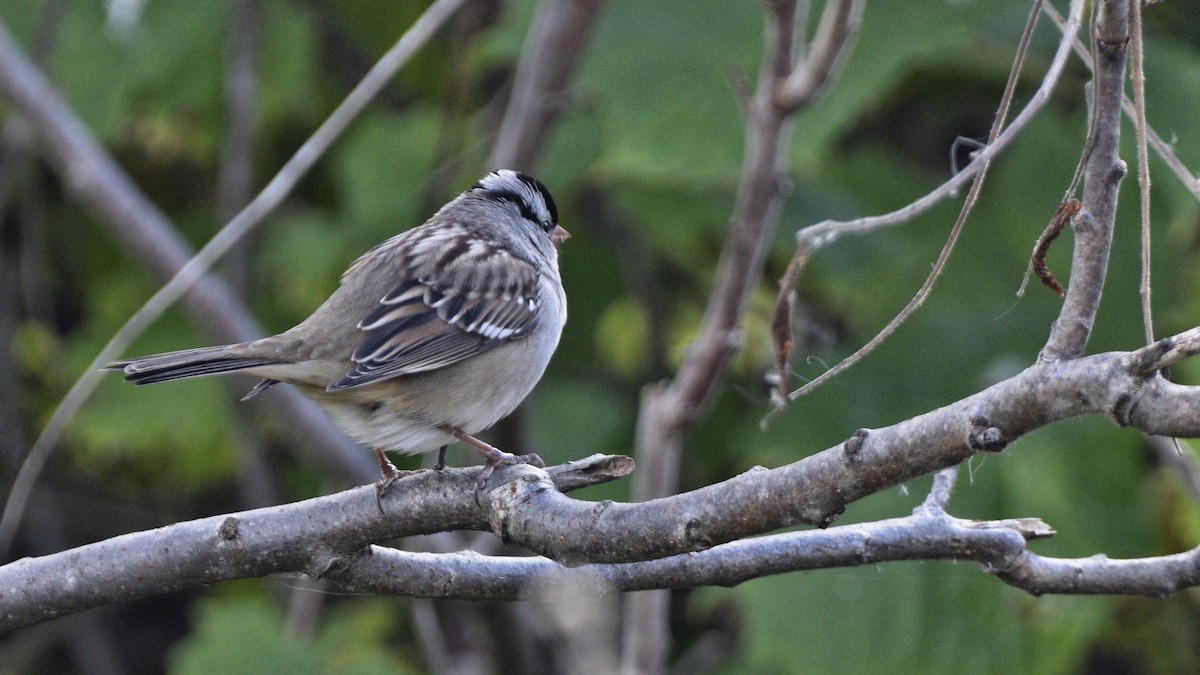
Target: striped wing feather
{"points": [[431, 321]]}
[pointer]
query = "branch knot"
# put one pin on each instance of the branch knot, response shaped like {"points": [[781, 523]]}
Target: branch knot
{"points": [[984, 437], [852, 447]]}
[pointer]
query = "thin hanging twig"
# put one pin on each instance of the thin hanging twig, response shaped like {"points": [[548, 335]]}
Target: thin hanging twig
{"points": [[1138, 75], [969, 203]]}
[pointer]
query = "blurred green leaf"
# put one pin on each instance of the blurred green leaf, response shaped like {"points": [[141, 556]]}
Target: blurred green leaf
{"points": [[245, 634], [303, 257], [667, 104], [381, 167], [622, 336]]}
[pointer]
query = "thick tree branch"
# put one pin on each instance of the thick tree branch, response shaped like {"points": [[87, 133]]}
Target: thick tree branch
{"points": [[815, 490], [312, 537]]}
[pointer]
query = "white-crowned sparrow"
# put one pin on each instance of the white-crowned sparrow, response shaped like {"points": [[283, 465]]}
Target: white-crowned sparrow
{"points": [[433, 335]]}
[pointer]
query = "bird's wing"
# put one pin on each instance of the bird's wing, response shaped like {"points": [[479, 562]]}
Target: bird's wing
{"points": [[460, 296]]}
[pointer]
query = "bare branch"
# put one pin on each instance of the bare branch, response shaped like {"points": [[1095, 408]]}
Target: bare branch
{"points": [[669, 409], [1103, 171], [591, 470], [816, 489], [999, 547], [924, 535], [1165, 353], [822, 234], [264, 541], [1155, 577], [830, 45], [819, 235], [1138, 75], [1161, 148], [556, 42], [754, 216], [943, 486]]}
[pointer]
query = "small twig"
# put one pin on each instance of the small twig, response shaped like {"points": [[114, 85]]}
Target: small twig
{"points": [[1164, 353], [1139, 103], [983, 162], [834, 37], [822, 234], [781, 331], [1161, 147], [590, 470], [943, 486]]}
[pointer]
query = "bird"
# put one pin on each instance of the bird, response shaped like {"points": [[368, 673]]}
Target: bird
{"points": [[432, 336]]}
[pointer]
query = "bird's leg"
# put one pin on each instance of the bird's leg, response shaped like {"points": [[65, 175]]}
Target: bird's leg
{"points": [[441, 463], [493, 456], [390, 475]]}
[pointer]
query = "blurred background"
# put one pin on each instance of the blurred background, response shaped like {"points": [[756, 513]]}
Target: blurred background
{"points": [[643, 162]]}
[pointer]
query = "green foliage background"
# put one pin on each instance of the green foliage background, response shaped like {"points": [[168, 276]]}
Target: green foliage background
{"points": [[644, 164]]}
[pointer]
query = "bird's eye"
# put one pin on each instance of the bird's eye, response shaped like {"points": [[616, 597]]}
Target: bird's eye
{"points": [[547, 224]]}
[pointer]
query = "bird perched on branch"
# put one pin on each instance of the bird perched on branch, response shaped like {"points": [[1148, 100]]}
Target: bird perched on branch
{"points": [[433, 335]]}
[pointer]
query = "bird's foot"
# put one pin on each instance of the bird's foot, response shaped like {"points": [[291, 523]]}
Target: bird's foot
{"points": [[493, 457], [390, 474], [497, 458]]}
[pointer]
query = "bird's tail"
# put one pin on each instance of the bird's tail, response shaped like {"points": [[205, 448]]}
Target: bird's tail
{"points": [[186, 363]]}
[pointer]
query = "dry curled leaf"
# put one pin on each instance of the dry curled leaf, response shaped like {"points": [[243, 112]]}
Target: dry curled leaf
{"points": [[1054, 228]]}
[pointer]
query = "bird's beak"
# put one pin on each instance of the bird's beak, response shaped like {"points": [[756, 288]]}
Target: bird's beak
{"points": [[559, 235]]}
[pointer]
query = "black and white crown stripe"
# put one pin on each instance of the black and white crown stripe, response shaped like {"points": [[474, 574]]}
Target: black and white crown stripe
{"points": [[527, 192]]}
